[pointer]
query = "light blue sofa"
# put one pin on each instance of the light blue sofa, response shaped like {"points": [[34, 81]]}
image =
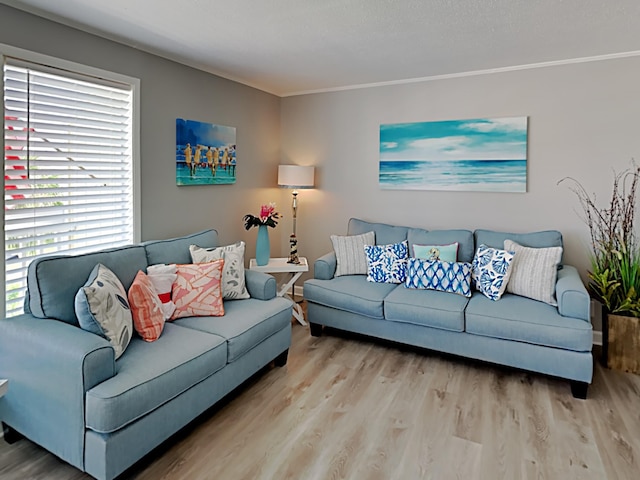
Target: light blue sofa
{"points": [[69, 395], [514, 331]]}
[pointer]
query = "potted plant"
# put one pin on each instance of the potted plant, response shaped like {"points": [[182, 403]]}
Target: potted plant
{"points": [[614, 278]]}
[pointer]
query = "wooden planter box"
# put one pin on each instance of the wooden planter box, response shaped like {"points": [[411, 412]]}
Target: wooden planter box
{"points": [[623, 352]]}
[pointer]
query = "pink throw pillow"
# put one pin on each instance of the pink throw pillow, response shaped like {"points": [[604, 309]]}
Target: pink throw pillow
{"points": [[197, 292], [146, 308]]}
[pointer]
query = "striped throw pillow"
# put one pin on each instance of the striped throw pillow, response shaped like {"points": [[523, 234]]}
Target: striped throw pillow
{"points": [[350, 255], [534, 272]]}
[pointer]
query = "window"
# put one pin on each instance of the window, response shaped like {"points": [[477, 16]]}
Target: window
{"points": [[68, 167]]}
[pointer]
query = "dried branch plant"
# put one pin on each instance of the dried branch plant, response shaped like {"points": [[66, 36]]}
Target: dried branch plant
{"points": [[615, 261]]}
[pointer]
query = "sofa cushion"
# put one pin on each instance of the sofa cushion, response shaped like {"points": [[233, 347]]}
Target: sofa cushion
{"points": [[54, 281], [426, 307], [102, 308], [350, 254], [525, 320], [491, 238], [387, 263], [150, 374], [385, 234], [176, 250], [246, 323], [351, 293], [464, 238]]}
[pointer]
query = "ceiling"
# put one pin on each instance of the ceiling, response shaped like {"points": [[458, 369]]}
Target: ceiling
{"points": [[288, 47]]}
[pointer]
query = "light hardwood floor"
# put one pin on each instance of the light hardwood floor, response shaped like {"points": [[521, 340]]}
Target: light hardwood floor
{"points": [[349, 408]]}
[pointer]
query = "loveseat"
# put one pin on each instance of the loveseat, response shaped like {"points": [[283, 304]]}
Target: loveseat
{"points": [[515, 331], [67, 392]]}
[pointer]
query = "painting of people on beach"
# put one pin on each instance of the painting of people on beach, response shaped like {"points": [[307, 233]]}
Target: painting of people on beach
{"points": [[205, 153], [481, 155]]}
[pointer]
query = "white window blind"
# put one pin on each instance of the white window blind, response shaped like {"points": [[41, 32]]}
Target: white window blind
{"points": [[67, 165]]}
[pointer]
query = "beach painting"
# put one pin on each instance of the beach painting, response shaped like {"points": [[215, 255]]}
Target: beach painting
{"points": [[205, 153], [481, 155]]}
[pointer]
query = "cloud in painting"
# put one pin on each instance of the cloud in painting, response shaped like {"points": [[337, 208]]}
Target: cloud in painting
{"points": [[477, 139]]}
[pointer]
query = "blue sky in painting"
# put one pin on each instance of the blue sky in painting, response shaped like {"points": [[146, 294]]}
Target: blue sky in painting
{"points": [[478, 139], [202, 133]]}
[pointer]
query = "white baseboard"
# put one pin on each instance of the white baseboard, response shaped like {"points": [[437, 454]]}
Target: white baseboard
{"points": [[597, 338]]}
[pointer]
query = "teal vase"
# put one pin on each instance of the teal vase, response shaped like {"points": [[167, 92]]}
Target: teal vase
{"points": [[263, 249]]}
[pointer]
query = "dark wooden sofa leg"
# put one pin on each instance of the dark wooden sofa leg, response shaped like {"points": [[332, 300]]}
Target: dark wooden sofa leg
{"points": [[281, 360], [579, 389], [315, 329], [10, 435]]}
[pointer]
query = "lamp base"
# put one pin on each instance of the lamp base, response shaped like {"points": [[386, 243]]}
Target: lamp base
{"points": [[293, 250]]}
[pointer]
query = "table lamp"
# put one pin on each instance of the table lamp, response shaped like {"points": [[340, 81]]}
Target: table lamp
{"points": [[296, 177]]}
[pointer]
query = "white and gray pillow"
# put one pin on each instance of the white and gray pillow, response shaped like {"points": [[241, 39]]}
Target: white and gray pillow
{"points": [[233, 282], [102, 308], [534, 272], [350, 255]]}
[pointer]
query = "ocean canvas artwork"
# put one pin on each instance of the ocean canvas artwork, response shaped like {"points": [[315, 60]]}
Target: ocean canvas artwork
{"points": [[482, 155], [205, 153]]}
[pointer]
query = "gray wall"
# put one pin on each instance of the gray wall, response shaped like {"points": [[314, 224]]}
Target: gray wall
{"points": [[583, 122], [169, 91]]}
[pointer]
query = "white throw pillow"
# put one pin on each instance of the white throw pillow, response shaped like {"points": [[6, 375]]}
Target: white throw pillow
{"points": [[233, 283], [162, 277], [102, 308], [534, 272], [350, 254]]}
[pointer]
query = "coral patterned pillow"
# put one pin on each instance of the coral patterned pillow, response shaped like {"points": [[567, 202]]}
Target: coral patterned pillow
{"points": [[146, 308], [387, 263], [197, 292]]}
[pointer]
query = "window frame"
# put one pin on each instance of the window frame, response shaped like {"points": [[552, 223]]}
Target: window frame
{"points": [[61, 66]]}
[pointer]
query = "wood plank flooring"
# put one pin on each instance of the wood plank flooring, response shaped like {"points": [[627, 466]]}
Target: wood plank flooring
{"points": [[345, 407]]}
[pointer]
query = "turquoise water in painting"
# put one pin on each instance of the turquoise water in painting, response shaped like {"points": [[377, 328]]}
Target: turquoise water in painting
{"points": [[204, 176], [460, 175]]}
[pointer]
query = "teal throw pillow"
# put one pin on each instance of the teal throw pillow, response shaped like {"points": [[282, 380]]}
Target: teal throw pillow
{"points": [[102, 308], [449, 277], [444, 253]]}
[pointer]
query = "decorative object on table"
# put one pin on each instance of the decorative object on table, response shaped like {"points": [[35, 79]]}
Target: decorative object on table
{"points": [[296, 177], [614, 278], [486, 154], [205, 153], [268, 218]]}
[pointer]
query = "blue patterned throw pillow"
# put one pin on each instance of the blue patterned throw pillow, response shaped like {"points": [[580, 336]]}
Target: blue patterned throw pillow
{"points": [[387, 263], [449, 277], [491, 269]]}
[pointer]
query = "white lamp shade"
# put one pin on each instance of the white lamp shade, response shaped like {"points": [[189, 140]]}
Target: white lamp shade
{"points": [[295, 176]]}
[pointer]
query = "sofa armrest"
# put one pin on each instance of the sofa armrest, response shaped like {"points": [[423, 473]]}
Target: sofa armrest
{"points": [[324, 267], [50, 365], [572, 295], [260, 285]]}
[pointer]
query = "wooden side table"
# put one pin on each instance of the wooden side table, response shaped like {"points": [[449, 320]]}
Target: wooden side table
{"points": [[295, 270]]}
